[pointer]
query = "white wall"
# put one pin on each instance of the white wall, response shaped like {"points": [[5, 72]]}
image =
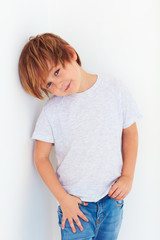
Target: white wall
{"points": [[115, 37]]}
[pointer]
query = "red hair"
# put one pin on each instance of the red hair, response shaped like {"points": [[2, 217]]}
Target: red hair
{"points": [[33, 67]]}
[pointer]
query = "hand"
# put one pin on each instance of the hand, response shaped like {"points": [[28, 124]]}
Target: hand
{"points": [[121, 188], [70, 210]]}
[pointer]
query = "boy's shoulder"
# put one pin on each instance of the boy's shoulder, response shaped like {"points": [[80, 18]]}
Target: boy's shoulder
{"points": [[112, 82], [52, 103]]}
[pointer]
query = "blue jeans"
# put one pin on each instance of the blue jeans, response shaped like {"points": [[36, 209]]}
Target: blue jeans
{"points": [[105, 218]]}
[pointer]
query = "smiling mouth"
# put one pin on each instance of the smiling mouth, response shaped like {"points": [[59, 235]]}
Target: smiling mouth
{"points": [[68, 86]]}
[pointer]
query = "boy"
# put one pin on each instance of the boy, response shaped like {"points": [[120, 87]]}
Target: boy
{"points": [[91, 121]]}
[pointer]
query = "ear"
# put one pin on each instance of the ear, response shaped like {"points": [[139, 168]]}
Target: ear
{"points": [[74, 55]]}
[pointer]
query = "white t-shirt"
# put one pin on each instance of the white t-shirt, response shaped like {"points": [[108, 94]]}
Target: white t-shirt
{"points": [[86, 129]]}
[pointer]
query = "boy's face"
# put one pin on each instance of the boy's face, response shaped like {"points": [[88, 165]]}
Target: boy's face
{"points": [[64, 81]]}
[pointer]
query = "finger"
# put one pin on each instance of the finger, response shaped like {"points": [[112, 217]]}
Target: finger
{"points": [[115, 194], [123, 196], [119, 196], [112, 191], [63, 222], [84, 203], [72, 224], [76, 219], [81, 214]]}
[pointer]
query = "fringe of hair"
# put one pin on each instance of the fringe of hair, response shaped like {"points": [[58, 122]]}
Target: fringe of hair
{"points": [[32, 66]]}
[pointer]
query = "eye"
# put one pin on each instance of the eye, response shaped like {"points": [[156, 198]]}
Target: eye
{"points": [[49, 84], [57, 71]]}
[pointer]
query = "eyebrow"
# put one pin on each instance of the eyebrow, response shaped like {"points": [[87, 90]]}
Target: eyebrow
{"points": [[51, 69]]}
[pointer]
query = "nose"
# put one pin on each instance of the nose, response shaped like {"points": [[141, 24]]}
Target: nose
{"points": [[60, 85]]}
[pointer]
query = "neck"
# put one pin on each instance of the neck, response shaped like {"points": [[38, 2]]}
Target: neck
{"points": [[87, 81]]}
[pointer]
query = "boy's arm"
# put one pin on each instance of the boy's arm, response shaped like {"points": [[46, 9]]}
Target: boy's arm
{"points": [[120, 189], [129, 150], [46, 171], [68, 202]]}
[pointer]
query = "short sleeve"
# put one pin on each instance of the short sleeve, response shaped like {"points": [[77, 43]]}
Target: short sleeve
{"points": [[43, 130], [130, 110]]}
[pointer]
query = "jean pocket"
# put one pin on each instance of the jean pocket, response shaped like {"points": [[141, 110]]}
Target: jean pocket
{"points": [[60, 215], [119, 203], [59, 209]]}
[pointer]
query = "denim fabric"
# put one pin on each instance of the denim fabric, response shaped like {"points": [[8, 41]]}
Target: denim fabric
{"points": [[105, 218]]}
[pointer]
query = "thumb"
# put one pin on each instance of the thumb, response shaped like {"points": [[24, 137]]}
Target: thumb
{"points": [[80, 201], [83, 203]]}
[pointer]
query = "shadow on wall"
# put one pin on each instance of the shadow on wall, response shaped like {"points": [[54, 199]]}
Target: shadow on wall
{"points": [[39, 218]]}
